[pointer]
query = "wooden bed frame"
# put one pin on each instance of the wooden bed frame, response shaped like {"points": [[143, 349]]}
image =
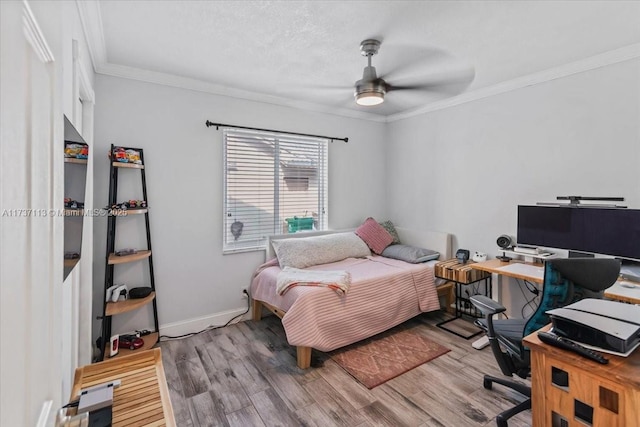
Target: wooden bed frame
{"points": [[433, 240]]}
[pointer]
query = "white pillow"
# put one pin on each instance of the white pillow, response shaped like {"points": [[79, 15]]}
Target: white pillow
{"points": [[307, 251]]}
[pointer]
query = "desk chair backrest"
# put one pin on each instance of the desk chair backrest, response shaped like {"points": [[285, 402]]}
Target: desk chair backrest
{"points": [[568, 280]]}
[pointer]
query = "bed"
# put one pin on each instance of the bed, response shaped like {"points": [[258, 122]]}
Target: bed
{"points": [[383, 293]]}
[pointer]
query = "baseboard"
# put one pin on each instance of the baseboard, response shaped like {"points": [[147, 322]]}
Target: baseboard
{"points": [[199, 323]]}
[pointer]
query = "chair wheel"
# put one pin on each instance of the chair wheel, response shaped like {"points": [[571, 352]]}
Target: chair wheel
{"points": [[501, 423], [487, 383]]}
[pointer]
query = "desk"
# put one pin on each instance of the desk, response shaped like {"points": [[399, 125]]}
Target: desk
{"points": [[603, 395], [142, 398], [622, 293], [532, 273]]}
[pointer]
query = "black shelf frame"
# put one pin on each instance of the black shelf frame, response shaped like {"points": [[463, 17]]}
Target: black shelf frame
{"points": [[111, 240], [471, 311]]}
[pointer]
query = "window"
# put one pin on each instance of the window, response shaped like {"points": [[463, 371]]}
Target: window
{"points": [[275, 183]]}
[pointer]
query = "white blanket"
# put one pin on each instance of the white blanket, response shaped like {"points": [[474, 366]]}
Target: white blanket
{"points": [[339, 281]]}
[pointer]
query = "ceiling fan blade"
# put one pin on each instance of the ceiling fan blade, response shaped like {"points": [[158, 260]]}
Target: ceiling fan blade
{"points": [[446, 82], [398, 59]]}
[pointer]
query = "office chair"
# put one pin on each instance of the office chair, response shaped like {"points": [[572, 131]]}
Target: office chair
{"points": [[565, 282]]}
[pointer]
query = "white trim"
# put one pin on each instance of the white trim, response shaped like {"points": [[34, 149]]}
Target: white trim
{"points": [[91, 20], [85, 91], [608, 58], [199, 323], [165, 79], [34, 34], [45, 413], [94, 33]]}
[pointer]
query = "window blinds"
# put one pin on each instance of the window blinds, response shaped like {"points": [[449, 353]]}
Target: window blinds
{"points": [[274, 183]]}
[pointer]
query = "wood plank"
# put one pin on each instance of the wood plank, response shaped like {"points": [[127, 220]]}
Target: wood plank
{"points": [[245, 417], [228, 390], [272, 409], [251, 378], [193, 376], [206, 410], [292, 393], [329, 401], [262, 347]]}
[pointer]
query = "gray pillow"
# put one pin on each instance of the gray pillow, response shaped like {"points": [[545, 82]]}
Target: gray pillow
{"points": [[315, 250], [388, 225], [409, 253]]}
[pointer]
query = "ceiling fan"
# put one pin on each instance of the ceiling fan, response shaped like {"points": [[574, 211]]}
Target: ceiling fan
{"points": [[371, 89]]}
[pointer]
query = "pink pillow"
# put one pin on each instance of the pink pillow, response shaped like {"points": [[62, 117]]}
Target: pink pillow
{"points": [[374, 235]]}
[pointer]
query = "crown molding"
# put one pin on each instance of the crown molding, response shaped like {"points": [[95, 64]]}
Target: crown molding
{"points": [[34, 34], [597, 61], [165, 79], [91, 20]]}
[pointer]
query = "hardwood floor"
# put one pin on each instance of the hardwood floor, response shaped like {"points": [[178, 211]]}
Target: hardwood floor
{"points": [[246, 375]]}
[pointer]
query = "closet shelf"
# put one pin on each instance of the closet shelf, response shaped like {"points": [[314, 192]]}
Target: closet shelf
{"points": [[74, 160]]}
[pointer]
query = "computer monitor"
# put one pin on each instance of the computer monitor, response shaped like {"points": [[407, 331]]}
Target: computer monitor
{"points": [[607, 231]]}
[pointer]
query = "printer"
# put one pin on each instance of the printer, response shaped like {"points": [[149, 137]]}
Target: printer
{"points": [[609, 325]]}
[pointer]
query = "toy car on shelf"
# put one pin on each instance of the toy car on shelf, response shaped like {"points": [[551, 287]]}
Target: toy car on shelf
{"points": [[72, 204], [71, 255], [140, 204], [76, 150], [126, 155], [124, 252], [131, 342]]}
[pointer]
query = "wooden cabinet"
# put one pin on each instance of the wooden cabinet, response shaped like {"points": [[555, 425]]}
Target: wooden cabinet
{"points": [[570, 390]]}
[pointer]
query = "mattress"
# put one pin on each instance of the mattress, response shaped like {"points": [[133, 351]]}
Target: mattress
{"points": [[384, 293]]}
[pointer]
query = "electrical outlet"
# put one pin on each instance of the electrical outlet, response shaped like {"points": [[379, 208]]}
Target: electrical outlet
{"points": [[245, 294]]}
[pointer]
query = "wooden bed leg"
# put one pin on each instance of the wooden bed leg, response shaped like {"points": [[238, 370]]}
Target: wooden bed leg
{"points": [[304, 357], [257, 310]]}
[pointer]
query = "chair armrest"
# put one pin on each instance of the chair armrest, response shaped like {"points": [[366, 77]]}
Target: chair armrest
{"points": [[486, 305]]}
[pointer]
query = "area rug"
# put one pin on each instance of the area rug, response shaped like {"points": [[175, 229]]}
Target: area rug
{"points": [[378, 359]]}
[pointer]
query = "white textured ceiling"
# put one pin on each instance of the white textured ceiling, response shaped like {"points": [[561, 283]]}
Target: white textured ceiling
{"points": [[309, 51]]}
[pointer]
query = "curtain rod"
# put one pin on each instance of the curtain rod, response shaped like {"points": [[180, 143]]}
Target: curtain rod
{"points": [[218, 125]]}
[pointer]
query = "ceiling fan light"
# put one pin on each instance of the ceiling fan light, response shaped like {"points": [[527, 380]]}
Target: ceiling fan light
{"points": [[369, 98]]}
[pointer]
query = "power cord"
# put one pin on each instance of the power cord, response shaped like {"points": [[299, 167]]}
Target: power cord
{"points": [[531, 303], [211, 328]]}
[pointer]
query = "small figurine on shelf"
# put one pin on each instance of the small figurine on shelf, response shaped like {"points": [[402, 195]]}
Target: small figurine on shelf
{"points": [[124, 252], [126, 155], [69, 203], [120, 155], [140, 204], [76, 150], [133, 156]]}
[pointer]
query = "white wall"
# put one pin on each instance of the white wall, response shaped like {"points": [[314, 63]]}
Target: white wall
{"points": [[37, 367], [465, 169], [185, 184]]}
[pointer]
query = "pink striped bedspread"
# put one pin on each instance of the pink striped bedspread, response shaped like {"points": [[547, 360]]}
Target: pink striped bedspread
{"points": [[384, 293]]}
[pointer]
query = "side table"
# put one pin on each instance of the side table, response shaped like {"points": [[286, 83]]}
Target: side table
{"points": [[463, 275]]}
